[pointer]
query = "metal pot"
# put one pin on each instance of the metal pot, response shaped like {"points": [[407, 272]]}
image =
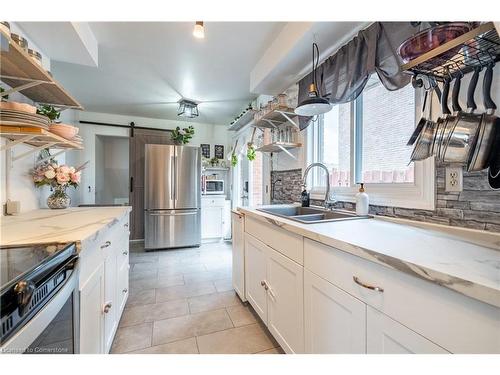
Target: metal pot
{"points": [[490, 124], [459, 140]]}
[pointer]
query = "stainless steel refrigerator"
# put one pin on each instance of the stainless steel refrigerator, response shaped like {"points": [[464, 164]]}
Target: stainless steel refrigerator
{"points": [[172, 196]]}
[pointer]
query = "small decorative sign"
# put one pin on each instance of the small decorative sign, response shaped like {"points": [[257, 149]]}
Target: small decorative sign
{"points": [[219, 151], [205, 150]]}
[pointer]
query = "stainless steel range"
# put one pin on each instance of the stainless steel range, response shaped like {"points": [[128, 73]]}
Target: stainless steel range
{"points": [[38, 299]]}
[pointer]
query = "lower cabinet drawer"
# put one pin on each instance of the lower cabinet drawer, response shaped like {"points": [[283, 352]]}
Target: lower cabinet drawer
{"points": [[455, 322], [281, 240]]}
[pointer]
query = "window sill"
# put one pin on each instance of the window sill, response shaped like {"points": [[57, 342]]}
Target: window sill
{"points": [[420, 195]]}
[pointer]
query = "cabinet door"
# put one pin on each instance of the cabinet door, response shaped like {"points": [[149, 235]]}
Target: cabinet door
{"points": [[386, 336], [211, 222], [335, 321], [121, 289], [285, 282], [110, 305], [255, 275], [238, 233], [91, 315]]}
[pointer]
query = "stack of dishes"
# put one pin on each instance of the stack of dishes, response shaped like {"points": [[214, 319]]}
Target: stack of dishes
{"points": [[12, 117]]}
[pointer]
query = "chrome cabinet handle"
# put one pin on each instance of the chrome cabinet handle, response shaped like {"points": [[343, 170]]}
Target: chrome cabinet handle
{"points": [[107, 244], [125, 290], [107, 307], [125, 253], [367, 286]]}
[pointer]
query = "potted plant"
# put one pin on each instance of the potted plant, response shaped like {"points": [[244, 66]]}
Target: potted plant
{"points": [[182, 136], [214, 162], [58, 178], [50, 111], [251, 151]]}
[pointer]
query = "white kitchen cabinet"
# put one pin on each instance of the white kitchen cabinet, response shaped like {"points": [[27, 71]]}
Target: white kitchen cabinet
{"points": [[386, 336], [274, 288], [335, 321], [238, 235], [110, 301], [211, 222], [104, 287], [285, 317], [91, 316], [255, 275]]}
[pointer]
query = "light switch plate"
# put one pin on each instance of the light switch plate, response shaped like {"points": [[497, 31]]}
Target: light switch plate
{"points": [[453, 179]]}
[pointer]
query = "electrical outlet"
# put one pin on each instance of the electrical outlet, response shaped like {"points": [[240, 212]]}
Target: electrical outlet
{"points": [[453, 179]]}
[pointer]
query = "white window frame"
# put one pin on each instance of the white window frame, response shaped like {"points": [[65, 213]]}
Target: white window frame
{"points": [[417, 195]]}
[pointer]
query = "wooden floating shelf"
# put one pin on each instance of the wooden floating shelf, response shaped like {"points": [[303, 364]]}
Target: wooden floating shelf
{"points": [[276, 117], [216, 169], [36, 137], [278, 146], [22, 73], [243, 121]]}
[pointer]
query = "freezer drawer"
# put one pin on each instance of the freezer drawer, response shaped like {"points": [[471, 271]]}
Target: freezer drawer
{"points": [[172, 228]]}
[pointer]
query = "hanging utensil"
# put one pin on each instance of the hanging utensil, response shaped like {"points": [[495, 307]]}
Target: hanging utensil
{"points": [[449, 124], [459, 141], [421, 123], [441, 122], [480, 158]]}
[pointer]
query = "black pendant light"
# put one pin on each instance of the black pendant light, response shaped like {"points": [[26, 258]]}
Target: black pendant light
{"points": [[314, 104]]}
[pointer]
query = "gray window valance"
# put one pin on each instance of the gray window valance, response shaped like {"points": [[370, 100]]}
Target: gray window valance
{"points": [[343, 76]]}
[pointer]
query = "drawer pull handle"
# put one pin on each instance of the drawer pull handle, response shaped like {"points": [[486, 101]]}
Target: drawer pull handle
{"points": [[107, 307], [125, 290], [107, 244], [264, 284], [125, 253], [367, 286]]}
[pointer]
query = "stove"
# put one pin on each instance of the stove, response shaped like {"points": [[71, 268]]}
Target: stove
{"points": [[30, 277]]}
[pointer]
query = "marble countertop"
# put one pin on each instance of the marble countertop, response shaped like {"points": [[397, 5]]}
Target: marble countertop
{"points": [[465, 261], [73, 224]]}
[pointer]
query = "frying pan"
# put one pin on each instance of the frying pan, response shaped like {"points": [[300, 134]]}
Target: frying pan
{"points": [[480, 158], [459, 140]]}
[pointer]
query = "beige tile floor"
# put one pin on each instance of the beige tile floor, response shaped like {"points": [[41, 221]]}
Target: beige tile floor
{"points": [[182, 302]]}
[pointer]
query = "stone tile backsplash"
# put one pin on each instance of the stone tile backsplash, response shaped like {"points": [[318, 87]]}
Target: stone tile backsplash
{"points": [[477, 206]]}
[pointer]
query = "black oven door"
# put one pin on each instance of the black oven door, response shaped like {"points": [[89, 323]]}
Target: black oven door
{"points": [[54, 329]]}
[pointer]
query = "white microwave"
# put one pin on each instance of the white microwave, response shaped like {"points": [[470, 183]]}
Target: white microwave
{"points": [[214, 187]]}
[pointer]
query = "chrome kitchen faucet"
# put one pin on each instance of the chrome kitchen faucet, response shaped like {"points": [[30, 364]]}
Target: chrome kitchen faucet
{"points": [[329, 203]]}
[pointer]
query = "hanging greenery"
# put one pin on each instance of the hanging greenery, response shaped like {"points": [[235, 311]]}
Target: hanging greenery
{"points": [[182, 136], [251, 152], [234, 159]]}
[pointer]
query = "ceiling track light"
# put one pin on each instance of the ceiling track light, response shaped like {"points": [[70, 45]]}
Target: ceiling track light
{"points": [[199, 30], [187, 108], [315, 104]]}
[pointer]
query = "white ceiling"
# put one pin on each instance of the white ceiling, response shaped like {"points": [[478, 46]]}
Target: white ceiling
{"points": [[142, 65]]}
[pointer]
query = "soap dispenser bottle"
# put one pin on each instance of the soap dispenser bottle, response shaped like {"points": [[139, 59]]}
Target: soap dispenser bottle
{"points": [[362, 202], [305, 198]]}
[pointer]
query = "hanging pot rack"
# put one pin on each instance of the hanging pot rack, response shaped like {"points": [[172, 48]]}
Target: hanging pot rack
{"points": [[478, 47]]}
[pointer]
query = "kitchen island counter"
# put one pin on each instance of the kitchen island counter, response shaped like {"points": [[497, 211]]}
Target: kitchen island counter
{"points": [[74, 224]]}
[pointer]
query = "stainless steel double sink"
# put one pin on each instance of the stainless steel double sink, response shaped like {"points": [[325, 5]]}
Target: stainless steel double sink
{"points": [[310, 215]]}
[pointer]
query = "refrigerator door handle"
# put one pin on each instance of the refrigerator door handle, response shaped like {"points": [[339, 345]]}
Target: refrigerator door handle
{"points": [[182, 213], [175, 178], [172, 174]]}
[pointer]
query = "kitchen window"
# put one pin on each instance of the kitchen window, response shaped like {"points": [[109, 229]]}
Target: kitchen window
{"points": [[365, 141]]}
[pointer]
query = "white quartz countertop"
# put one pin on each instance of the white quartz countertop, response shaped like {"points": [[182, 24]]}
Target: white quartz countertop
{"points": [[466, 261], [73, 224]]}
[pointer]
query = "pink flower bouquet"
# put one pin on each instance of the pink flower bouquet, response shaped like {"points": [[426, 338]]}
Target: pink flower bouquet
{"points": [[53, 175]]}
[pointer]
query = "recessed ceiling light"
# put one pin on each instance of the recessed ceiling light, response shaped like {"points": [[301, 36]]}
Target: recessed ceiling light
{"points": [[199, 30]]}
